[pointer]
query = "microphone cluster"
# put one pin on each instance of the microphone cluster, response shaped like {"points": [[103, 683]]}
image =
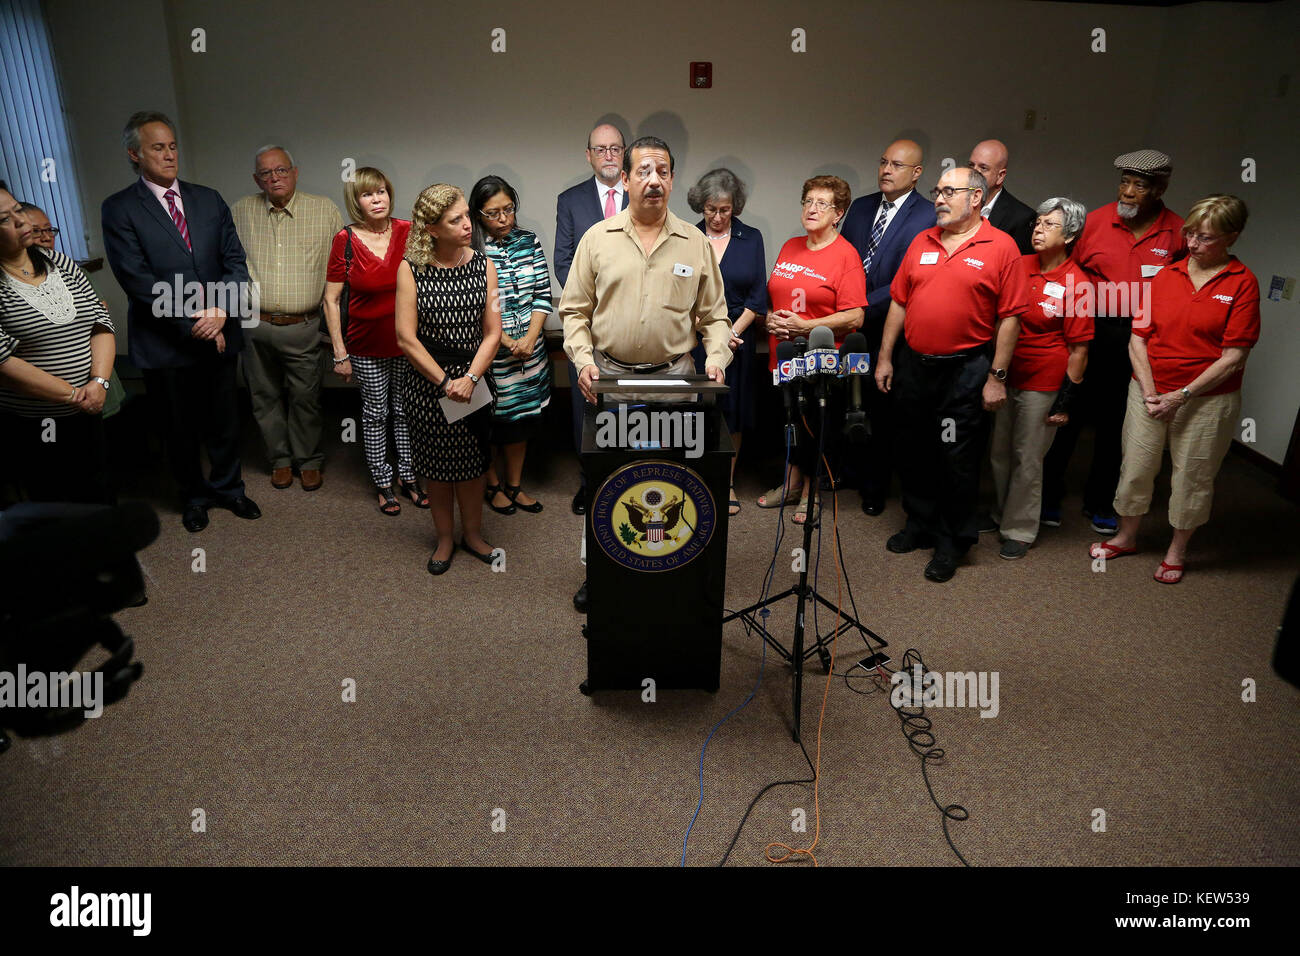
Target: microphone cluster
{"points": [[813, 365]]}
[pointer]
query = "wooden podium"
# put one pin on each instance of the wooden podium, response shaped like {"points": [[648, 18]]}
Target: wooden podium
{"points": [[658, 484]]}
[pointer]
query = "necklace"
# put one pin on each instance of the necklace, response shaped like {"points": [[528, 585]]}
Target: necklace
{"points": [[26, 273], [459, 257]]}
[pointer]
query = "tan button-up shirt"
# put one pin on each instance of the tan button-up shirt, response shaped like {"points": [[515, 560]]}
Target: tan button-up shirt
{"points": [[644, 309], [287, 248]]}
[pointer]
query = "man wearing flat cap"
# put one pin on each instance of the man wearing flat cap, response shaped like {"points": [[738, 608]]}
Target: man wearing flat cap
{"points": [[1123, 245]]}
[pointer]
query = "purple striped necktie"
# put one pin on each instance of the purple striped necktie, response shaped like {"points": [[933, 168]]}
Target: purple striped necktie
{"points": [[178, 217]]}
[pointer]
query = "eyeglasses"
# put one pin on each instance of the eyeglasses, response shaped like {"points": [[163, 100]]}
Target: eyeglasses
{"points": [[1202, 240], [820, 205], [607, 150], [1048, 224], [947, 192], [48, 231], [895, 166], [280, 172], [496, 215]]}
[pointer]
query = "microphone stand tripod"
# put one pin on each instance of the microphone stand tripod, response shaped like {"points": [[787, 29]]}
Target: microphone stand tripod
{"points": [[802, 591]]}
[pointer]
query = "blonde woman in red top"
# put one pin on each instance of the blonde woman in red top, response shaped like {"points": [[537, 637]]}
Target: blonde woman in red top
{"points": [[1188, 362], [369, 350]]}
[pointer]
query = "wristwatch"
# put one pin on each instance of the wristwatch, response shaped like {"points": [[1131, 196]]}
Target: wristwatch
{"points": [[101, 381], [1186, 394], [999, 373], [472, 377]]}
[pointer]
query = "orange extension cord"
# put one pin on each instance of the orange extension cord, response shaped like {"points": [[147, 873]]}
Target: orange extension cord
{"points": [[792, 852]]}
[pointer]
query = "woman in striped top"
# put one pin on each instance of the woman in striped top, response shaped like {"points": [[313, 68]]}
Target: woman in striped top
{"points": [[520, 370], [56, 355]]}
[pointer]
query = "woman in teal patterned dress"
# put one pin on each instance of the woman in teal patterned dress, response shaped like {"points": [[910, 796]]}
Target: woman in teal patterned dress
{"points": [[521, 371]]}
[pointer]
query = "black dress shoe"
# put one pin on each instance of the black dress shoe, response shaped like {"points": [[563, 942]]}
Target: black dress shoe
{"points": [[941, 568], [905, 542], [872, 506], [243, 507], [580, 502], [485, 558], [195, 518], [580, 599], [440, 567]]}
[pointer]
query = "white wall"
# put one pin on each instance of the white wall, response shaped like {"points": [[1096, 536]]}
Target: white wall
{"points": [[414, 89]]}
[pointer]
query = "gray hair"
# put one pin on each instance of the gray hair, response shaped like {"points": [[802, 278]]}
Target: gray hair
{"points": [[131, 132], [715, 184], [1073, 215], [976, 180], [268, 148]]}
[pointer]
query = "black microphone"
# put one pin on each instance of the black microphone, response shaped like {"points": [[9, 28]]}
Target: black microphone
{"points": [[789, 385], [800, 373], [855, 363], [822, 360]]}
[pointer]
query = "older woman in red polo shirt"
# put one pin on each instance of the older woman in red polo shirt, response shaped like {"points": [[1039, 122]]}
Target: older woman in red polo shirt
{"points": [[817, 280], [1188, 361], [1046, 369]]}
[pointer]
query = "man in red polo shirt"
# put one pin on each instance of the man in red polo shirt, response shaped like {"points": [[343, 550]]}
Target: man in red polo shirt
{"points": [[1123, 245], [958, 295]]}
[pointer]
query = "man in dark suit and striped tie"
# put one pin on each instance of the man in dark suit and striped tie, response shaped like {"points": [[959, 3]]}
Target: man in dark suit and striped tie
{"points": [[173, 249], [881, 227]]}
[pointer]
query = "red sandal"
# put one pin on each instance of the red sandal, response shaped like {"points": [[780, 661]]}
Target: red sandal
{"points": [[1106, 550], [1166, 569]]}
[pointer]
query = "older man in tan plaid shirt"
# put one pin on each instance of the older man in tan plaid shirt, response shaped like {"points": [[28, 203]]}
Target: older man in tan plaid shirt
{"points": [[287, 236]]}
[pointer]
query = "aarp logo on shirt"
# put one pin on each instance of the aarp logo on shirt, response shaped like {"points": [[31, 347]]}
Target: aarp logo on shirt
{"points": [[1225, 299], [973, 263]]}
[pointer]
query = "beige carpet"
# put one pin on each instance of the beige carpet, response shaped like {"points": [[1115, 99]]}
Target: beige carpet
{"points": [[1116, 693]]}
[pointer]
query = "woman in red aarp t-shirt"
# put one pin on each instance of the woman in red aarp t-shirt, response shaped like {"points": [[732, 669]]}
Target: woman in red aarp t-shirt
{"points": [[817, 280], [1188, 362]]}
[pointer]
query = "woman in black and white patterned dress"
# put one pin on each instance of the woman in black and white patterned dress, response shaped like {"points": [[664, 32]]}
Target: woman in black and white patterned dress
{"points": [[449, 326]]}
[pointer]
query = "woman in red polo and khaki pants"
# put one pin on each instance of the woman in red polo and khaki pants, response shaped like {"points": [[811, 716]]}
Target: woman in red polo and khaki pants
{"points": [[1188, 361]]}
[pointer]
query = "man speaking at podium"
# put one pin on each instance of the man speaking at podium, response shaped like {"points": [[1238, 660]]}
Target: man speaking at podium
{"points": [[642, 285]]}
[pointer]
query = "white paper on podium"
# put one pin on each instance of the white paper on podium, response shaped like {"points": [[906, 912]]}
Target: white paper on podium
{"points": [[455, 411], [652, 381]]}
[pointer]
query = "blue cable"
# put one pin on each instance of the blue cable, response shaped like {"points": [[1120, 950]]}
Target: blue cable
{"points": [[762, 663]]}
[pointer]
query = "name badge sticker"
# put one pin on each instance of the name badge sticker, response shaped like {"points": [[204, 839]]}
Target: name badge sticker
{"points": [[1149, 271], [685, 271], [929, 258], [1054, 290]]}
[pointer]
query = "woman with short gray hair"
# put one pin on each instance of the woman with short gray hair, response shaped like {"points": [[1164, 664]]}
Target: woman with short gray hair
{"points": [[1046, 372], [720, 197]]}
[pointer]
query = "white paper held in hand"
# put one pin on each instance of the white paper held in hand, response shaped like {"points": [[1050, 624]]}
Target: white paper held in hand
{"points": [[454, 411]]}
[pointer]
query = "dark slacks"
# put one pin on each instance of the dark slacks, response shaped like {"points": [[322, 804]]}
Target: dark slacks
{"points": [[198, 407], [62, 458], [1102, 405], [869, 466], [942, 433]]}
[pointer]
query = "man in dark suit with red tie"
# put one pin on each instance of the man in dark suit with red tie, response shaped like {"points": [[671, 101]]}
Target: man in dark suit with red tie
{"points": [[881, 226], [173, 248], [577, 209]]}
